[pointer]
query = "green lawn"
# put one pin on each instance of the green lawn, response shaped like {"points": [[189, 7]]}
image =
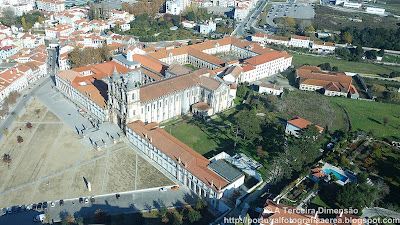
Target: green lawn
{"points": [[367, 116], [318, 201], [206, 138], [345, 66]]}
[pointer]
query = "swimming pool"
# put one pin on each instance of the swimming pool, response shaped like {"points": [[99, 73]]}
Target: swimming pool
{"points": [[338, 175]]}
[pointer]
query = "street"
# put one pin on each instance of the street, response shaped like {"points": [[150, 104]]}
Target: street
{"points": [[249, 20], [129, 202]]}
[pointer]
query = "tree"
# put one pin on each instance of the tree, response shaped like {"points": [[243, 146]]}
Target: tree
{"points": [[9, 17], [362, 177], [249, 124], [378, 88], [100, 216], [201, 204], [28, 125], [333, 177], [19, 139], [325, 66], [309, 30], [335, 68], [24, 24], [347, 37], [385, 121], [355, 196], [7, 159], [381, 52], [371, 54], [194, 216]]}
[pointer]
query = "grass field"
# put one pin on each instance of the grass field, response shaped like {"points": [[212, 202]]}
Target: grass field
{"points": [[206, 139], [368, 116], [345, 66]]}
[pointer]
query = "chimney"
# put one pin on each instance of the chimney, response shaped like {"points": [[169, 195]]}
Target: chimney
{"points": [[151, 139], [179, 159], [212, 183], [145, 135]]}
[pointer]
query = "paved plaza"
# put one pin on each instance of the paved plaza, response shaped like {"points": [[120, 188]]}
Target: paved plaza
{"points": [[55, 162]]}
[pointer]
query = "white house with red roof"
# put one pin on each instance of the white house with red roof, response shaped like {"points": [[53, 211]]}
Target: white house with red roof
{"points": [[61, 30], [295, 125], [299, 41]]}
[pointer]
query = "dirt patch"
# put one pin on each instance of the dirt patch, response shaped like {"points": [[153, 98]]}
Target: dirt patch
{"points": [[33, 112], [94, 173], [121, 171], [53, 188], [65, 153], [149, 176], [35, 155]]}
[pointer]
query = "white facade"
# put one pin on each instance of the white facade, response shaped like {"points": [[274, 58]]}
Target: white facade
{"points": [[270, 89], [208, 27], [173, 7], [299, 42], [375, 10], [353, 5], [59, 31], [50, 5]]}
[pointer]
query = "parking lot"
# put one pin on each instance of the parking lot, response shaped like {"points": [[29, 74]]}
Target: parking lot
{"points": [[126, 202], [53, 162], [293, 10]]}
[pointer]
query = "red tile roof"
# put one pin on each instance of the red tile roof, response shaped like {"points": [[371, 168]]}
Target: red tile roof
{"points": [[179, 152], [302, 123]]}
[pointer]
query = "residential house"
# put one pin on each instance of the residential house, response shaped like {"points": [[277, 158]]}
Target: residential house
{"points": [[299, 41], [267, 88], [207, 27], [312, 78], [295, 125]]}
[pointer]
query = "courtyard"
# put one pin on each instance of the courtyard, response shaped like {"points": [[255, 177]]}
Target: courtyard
{"points": [[53, 162]]}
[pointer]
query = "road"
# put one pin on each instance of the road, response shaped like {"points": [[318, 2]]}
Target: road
{"points": [[129, 202], [52, 62], [250, 19]]}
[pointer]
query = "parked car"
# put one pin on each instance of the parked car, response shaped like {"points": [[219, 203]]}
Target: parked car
{"points": [[175, 187], [86, 200], [163, 189], [39, 206], [44, 205], [29, 207], [80, 200], [23, 207], [3, 211], [16, 209], [34, 207], [52, 204], [10, 210], [92, 199], [61, 202], [117, 196]]}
